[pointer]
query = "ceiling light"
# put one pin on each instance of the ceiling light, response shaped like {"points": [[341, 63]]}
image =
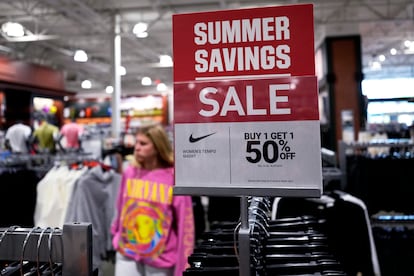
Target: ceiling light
{"points": [[122, 70], [381, 58], [140, 28], [161, 87], [146, 81], [393, 51], [142, 35], [80, 56], [86, 84], [13, 29], [166, 61], [376, 65], [109, 89]]}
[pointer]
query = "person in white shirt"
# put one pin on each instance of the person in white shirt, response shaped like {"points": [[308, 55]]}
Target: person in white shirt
{"points": [[17, 138]]}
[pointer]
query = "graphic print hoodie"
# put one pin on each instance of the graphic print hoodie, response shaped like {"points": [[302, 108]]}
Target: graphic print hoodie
{"points": [[152, 226]]}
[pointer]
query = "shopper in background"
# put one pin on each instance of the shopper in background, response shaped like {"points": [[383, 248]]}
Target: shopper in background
{"points": [[17, 138], [153, 232], [44, 137], [72, 133]]}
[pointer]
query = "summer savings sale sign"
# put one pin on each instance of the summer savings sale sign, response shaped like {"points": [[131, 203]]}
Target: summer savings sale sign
{"points": [[246, 103]]}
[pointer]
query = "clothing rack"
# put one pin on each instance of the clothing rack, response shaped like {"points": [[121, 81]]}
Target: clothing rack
{"points": [[330, 170], [345, 148], [72, 157], [71, 246], [235, 248], [26, 159], [251, 220], [334, 224], [294, 245]]}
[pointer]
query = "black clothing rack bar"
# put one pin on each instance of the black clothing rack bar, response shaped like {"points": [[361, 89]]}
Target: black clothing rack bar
{"points": [[71, 246], [248, 222], [244, 238]]}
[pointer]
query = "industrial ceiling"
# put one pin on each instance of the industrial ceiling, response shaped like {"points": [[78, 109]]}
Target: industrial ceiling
{"points": [[56, 28]]}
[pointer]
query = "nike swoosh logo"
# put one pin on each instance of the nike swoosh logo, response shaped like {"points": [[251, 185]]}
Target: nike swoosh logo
{"points": [[196, 139]]}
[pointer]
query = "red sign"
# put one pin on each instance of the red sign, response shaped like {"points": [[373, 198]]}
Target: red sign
{"points": [[263, 42], [278, 99]]}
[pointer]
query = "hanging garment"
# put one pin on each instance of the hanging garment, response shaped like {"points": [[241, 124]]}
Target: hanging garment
{"points": [[45, 134], [72, 131], [346, 224], [93, 200], [351, 228], [54, 192], [383, 183], [17, 135], [18, 190]]}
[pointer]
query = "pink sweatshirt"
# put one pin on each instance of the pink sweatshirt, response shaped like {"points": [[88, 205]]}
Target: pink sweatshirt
{"points": [[152, 226], [72, 131]]}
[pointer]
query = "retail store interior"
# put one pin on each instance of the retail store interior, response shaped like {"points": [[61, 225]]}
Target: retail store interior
{"points": [[108, 66]]}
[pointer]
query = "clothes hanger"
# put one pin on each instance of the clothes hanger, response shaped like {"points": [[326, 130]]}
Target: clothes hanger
{"points": [[13, 266], [39, 268], [24, 266], [50, 270], [54, 268]]}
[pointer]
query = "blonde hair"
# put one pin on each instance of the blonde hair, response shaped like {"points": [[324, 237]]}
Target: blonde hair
{"points": [[159, 137]]}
